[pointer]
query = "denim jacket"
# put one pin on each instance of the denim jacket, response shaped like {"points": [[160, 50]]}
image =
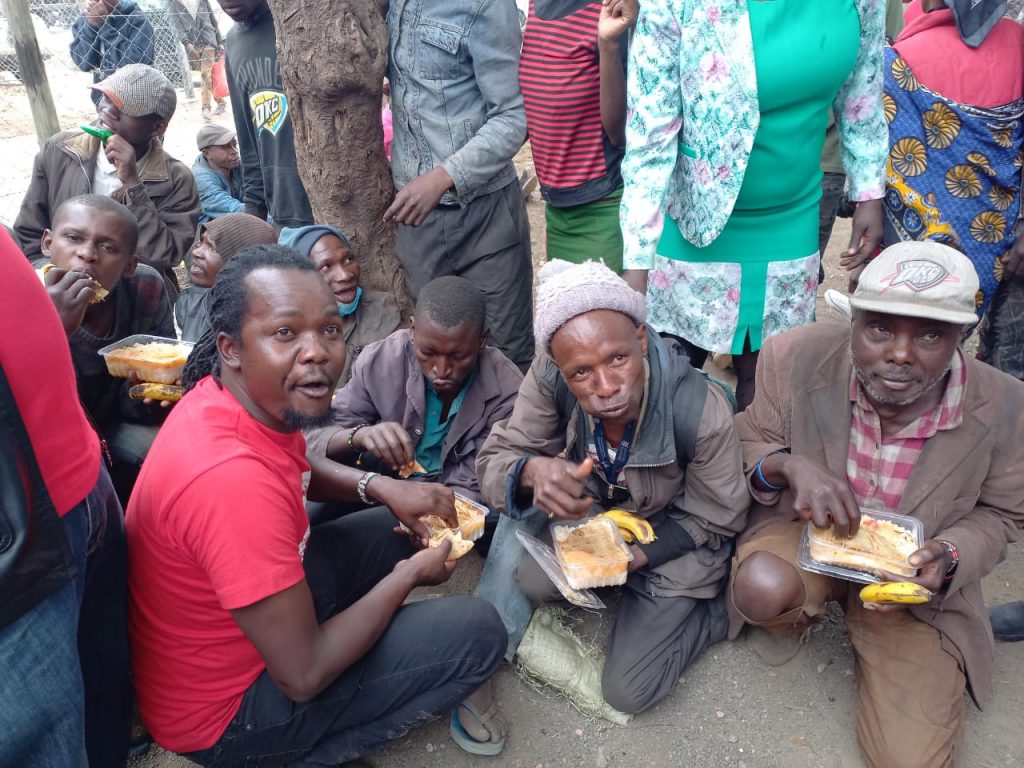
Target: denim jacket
{"points": [[125, 37], [454, 72]]}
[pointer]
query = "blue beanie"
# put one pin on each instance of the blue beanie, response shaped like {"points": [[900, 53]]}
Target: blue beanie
{"points": [[302, 239]]}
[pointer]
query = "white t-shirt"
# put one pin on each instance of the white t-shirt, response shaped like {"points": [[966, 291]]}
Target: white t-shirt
{"points": [[104, 180]]}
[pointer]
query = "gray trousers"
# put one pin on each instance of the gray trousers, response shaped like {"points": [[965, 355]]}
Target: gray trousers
{"points": [[653, 641], [488, 243]]}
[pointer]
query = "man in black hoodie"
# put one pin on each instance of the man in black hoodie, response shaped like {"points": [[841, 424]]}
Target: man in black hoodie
{"points": [[266, 143]]}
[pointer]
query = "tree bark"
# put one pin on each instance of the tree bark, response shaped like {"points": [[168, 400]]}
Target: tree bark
{"points": [[333, 58]]}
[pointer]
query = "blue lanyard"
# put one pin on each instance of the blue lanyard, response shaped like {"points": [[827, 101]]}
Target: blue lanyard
{"points": [[609, 468]]}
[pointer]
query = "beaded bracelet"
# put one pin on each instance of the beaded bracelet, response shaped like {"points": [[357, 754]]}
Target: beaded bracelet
{"points": [[954, 555]]}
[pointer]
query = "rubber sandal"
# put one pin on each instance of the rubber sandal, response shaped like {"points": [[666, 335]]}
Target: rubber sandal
{"points": [[467, 743]]}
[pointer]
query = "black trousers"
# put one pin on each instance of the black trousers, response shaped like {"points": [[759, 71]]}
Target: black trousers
{"points": [[432, 656]]}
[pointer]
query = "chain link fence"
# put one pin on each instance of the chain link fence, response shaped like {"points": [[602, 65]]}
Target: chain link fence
{"points": [[53, 20]]}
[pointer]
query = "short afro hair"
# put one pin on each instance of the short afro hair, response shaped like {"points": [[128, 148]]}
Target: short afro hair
{"points": [[452, 301], [103, 203]]}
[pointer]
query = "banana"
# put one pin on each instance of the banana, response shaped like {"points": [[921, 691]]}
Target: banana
{"points": [[153, 391], [901, 592], [632, 527]]}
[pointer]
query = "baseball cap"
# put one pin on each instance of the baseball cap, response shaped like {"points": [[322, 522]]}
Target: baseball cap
{"points": [[919, 279], [139, 90], [213, 136]]}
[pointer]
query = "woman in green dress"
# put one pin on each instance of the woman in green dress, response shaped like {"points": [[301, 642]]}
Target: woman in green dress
{"points": [[728, 111]]}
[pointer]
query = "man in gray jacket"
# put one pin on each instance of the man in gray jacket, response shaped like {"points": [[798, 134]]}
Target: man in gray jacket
{"points": [[614, 417], [458, 122], [427, 396]]}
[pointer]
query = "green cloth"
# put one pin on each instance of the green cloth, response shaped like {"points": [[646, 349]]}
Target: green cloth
{"points": [[428, 449], [776, 213], [830, 159], [586, 232]]}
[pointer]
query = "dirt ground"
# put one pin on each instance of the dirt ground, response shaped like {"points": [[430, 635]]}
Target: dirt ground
{"points": [[728, 710]]}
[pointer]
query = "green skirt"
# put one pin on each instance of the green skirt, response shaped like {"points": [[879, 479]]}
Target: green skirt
{"points": [[586, 232]]}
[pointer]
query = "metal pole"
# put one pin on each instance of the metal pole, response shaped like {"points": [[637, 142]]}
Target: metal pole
{"points": [[33, 73]]}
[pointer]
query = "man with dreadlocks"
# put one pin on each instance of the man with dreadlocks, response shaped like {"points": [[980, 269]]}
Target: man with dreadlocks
{"points": [[252, 636]]}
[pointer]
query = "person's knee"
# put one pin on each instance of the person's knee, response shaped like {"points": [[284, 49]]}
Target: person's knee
{"points": [[897, 751], [766, 587], [624, 693], [483, 630], [534, 583]]}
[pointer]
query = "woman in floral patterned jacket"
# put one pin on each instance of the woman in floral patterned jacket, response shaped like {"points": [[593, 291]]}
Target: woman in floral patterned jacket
{"points": [[728, 106]]}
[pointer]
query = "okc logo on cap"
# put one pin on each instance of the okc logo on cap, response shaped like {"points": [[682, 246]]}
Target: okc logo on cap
{"points": [[919, 275]]}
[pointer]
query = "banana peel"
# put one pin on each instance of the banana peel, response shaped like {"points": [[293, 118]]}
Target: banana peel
{"points": [[898, 592], [632, 527]]}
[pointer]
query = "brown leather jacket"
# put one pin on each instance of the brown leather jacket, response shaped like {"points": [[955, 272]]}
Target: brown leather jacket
{"points": [[166, 204], [966, 487]]}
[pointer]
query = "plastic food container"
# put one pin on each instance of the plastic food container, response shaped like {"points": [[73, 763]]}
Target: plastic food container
{"points": [[819, 552], [606, 569], [160, 364], [471, 519]]}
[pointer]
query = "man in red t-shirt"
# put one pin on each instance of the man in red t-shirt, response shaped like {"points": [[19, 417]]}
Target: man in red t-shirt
{"points": [[63, 644], [252, 635]]}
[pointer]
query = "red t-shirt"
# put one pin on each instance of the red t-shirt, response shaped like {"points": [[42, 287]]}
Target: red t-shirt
{"points": [[36, 359], [217, 521]]}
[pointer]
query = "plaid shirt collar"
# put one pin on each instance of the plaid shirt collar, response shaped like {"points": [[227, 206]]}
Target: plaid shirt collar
{"points": [[949, 413]]}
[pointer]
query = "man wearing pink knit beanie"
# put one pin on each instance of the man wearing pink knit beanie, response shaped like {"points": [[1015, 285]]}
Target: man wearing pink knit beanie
{"points": [[640, 429]]}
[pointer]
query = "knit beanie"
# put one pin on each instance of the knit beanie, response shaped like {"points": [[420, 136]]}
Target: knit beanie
{"points": [[235, 231], [302, 239], [567, 290]]}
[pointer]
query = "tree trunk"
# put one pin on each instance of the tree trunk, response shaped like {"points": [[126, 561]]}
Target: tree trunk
{"points": [[333, 58]]}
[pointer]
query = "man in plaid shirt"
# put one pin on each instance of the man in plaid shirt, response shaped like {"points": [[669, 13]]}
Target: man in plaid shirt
{"points": [[886, 412]]}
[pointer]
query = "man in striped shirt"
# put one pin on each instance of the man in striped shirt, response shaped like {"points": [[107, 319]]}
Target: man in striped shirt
{"points": [[886, 413]]}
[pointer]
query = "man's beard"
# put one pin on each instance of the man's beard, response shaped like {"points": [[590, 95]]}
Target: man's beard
{"points": [[882, 398], [302, 421]]}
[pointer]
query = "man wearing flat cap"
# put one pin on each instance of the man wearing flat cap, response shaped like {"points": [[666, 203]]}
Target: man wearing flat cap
{"points": [[217, 172], [639, 429], [136, 104], [886, 412]]}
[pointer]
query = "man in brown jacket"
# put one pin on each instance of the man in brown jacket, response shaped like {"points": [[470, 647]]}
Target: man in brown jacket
{"points": [[136, 104], [886, 413], [639, 428]]}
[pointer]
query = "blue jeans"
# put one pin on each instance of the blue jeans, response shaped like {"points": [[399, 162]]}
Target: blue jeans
{"points": [[41, 690], [432, 656]]}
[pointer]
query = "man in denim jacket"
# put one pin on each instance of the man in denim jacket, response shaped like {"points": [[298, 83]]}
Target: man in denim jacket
{"points": [[108, 35], [458, 122]]}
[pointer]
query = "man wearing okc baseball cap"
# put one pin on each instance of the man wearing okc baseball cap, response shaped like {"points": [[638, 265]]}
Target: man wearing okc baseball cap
{"points": [[886, 412], [136, 103]]}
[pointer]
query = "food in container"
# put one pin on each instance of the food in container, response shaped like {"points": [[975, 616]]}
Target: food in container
{"points": [[884, 542], [471, 519], [152, 358], [591, 553]]}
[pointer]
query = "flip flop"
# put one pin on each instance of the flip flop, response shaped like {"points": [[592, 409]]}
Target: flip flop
{"points": [[466, 742]]}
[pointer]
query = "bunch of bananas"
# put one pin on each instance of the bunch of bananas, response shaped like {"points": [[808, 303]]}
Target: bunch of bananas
{"points": [[632, 527], [901, 592]]}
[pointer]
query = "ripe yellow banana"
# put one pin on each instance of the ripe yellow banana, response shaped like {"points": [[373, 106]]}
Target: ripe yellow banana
{"points": [[902, 592], [632, 527], [148, 389]]}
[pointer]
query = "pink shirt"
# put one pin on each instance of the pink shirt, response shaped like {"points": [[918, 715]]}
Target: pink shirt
{"points": [[988, 76]]}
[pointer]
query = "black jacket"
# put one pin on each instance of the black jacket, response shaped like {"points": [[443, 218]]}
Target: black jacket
{"points": [[35, 559]]}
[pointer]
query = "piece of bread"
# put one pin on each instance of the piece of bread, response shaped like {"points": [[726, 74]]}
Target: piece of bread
{"points": [[592, 555], [459, 545], [158, 362], [470, 521], [410, 469], [100, 293], [878, 545]]}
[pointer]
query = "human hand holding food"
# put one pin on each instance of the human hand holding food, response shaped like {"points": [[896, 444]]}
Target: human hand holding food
{"points": [[388, 441], [558, 486], [429, 567], [409, 501], [149, 392], [121, 155], [819, 496], [617, 16], [71, 294], [933, 561]]}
